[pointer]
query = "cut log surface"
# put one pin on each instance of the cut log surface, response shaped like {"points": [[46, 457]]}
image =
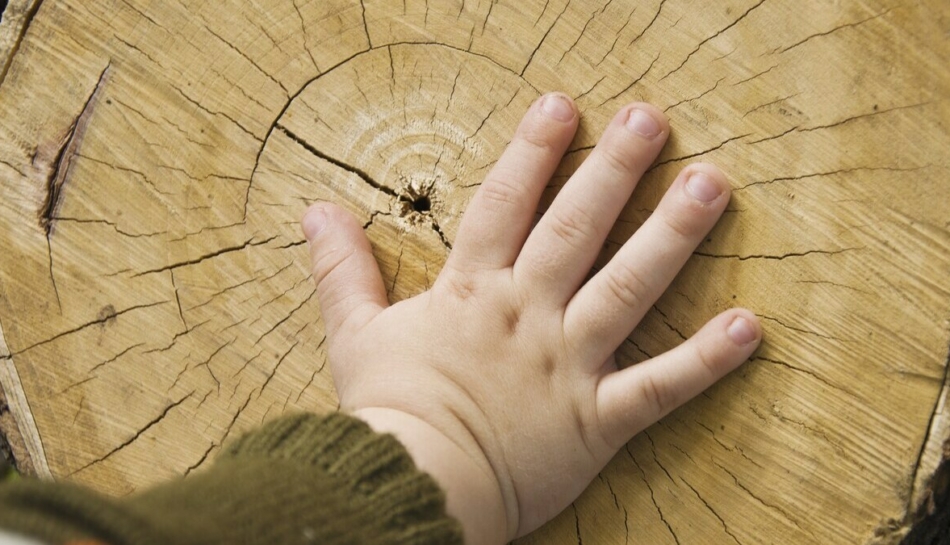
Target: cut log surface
{"points": [[155, 299]]}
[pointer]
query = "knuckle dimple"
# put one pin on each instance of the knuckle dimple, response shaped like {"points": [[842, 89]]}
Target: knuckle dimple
{"points": [[457, 286], [707, 363], [616, 161], [684, 223], [537, 140], [573, 225], [326, 262], [625, 285], [657, 395], [497, 190]]}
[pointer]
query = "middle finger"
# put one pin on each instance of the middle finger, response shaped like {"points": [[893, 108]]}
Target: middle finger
{"points": [[562, 248]]}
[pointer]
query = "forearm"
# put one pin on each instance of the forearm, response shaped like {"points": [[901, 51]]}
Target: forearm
{"points": [[473, 495]]}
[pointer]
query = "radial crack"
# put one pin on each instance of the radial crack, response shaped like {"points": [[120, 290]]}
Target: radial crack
{"points": [[725, 527], [835, 29], [336, 162], [702, 43], [27, 20], [99, 320], [923, 445], [214, 254], [71, 142], [698, 153], [541, 42], [775, 257], [656, 505], [201, 460], [137, 434]]}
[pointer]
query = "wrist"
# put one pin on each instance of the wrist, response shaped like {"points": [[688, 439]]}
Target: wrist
{"points": [[473, 494]]}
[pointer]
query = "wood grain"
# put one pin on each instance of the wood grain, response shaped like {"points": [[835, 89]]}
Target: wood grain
{"points": [[154, 289]]}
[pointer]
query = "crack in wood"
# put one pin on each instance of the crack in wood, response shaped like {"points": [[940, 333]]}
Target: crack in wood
{"points": [[211, 112], [722, 521], [812, 374], [60, 171], [108, 223], [306, 46], [754, 76], [912, 492], [70, 146], [619, 33], [734, 448], [27, 21], [99, 320], [776, 257], [656, 505], [767, 104], [201, 460], [704, 42], [248, 59], [275, 124], [369, 38], [666, 321], [207, 365], [287, 317], [175, 338], [361, 174], [592, 87], [697, 97], [866, 115], [656, 16], [634, 82], [847, 120], [276, 367], [216, 253], [833, 30], [102, 364], [541, 41], [316, 371], [636, 346], [580, 35], [802, 330], [144, 15], [577, 524], [698, 153], [832, 173], [154, 422], [762, 502], [234, 419]]}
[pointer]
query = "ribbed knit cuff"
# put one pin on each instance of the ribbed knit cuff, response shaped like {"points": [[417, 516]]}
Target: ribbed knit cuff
{"points": [[375, 469], [299, 479]]}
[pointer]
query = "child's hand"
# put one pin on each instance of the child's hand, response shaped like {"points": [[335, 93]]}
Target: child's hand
{"points": [[501, 379]]}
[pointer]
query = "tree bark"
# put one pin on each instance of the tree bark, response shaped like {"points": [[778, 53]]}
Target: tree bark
{"points": [[154, 295]]}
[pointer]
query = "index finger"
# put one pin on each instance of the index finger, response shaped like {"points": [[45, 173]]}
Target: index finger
{"points": [[499, 217]]}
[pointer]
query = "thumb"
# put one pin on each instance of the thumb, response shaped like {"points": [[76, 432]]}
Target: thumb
{"points": [[631, 400], [349, 286]]}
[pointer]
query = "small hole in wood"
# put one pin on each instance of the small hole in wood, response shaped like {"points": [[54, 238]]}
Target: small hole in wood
{"points": [[422, 204]]}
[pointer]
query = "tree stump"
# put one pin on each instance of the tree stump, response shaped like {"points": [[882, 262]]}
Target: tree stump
{"points": [[155, 158]]}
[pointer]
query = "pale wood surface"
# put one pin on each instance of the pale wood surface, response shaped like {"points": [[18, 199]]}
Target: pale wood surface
{"points": [[154, 290]]}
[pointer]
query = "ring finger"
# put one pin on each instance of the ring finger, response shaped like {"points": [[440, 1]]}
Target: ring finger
{"points": [[612, 303]]}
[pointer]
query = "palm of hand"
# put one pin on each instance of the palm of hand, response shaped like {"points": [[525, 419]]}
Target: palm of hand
{"points": [[510, 355]]}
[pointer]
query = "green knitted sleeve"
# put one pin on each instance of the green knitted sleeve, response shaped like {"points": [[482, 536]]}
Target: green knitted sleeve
{"points": [[299, 479]]}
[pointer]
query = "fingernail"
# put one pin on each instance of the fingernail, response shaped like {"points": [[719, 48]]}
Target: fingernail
{"points": [[741, 331], [557, 107], [314, 222], [702, 187], [643, 124]]}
